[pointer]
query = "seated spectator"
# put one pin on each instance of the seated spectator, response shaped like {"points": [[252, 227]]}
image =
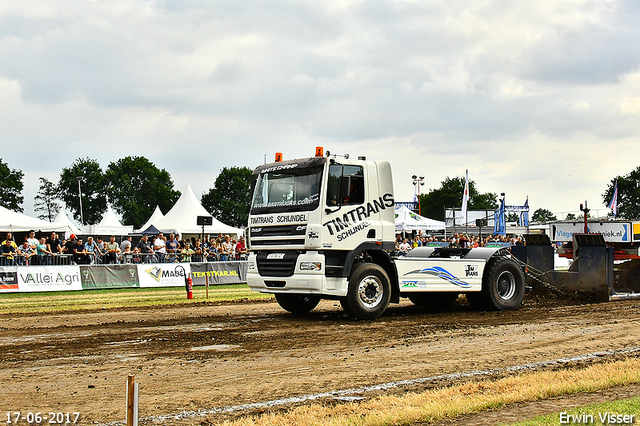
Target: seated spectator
{"points": [[112, 250], [25, 253], [43, 252], [404, 247], [8, 251]]}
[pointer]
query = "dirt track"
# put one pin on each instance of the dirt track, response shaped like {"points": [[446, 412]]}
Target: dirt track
{"points": [[200, 357]]}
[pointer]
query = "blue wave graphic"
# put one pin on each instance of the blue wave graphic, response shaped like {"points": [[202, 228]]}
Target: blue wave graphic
{"points": [[445, 275]]}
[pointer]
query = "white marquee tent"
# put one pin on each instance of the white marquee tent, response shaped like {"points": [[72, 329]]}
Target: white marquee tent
{"points": [[11, 221], [406, 220], [182, 218], [155, 217], [70, 227], [109, 225]]}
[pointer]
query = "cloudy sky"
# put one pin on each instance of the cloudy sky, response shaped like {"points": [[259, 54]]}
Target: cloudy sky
{"points": [[538, 99]]}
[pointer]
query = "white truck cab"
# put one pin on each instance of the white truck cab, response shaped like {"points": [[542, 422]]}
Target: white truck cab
{"points": [[324, 227]]}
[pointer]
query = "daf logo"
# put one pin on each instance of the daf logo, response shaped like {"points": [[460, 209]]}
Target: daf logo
{"points": [[278, 256], [301, 228], [256, 229]]}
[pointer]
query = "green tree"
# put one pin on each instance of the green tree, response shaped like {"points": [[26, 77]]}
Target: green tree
{"points": [[511, 217], [45, 200], [135, 186], [10, 187], [229, 199], [628, 194], [94, 200], [570, 216], [449, 195], [543, 215]]}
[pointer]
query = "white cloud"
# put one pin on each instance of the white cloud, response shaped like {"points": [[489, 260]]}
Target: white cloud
{"points": [[527, 96]]}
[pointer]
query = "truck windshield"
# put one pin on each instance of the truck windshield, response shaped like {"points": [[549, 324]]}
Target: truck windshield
{"points": [[289, 190]]}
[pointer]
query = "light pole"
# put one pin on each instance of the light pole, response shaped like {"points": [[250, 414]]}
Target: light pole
{"points": [[79, 179], [418, 182]]}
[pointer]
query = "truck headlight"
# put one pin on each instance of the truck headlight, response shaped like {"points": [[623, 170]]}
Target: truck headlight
{"points": [[251, 266], [310, 266]]}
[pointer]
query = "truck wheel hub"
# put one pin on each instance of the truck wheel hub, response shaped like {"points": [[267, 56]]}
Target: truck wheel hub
{"points": [[370, 291], [506, 285]]}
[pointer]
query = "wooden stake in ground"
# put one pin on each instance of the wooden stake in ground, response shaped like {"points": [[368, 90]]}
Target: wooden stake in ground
{"points": [[132, 402]]}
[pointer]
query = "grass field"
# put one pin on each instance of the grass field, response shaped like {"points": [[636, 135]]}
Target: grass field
{"points": [[11, 303]]}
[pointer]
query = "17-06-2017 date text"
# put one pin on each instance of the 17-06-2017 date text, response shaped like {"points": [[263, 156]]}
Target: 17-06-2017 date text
{"points": [[57, 418]]}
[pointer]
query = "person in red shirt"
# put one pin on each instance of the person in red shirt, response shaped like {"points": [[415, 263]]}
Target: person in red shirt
{"points": [[241, 249]]}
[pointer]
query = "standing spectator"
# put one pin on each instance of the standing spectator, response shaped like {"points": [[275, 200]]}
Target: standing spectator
{"points": [[112, 250], [225, 249], [54, 245], [10, 239], [198, 252], [187, 252], [159, 247], [145, 250], [33, 241], [8, 251], [91, 248], [125, 243], [70, 245], [404, 247], [241, 249], [80, 255], [212, 252], [172, 248]]}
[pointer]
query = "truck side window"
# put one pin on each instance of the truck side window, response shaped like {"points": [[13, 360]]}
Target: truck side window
{"points": [[350, 179]]}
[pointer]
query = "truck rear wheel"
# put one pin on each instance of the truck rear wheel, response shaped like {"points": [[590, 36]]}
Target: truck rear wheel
{"points": [[502, 287], [297, 303], [369, 292]]}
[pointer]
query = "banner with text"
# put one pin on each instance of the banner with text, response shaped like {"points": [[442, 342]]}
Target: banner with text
{"points": [[109, 276], [49, 278], [163, 274], [219, 273], [8, 278]]}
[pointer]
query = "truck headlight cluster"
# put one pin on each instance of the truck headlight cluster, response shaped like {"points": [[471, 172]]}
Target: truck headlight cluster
{"points": [[251, 266], [311, 266]]}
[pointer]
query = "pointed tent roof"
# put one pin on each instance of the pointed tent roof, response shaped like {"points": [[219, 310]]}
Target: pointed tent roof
{"points": [[109, 225], [11, 221], [182, 218], [63, 219], [406, 220], [155, 216]]}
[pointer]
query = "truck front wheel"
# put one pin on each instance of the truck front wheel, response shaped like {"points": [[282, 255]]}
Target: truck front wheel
{"points": [[297, 303], [369, 292], [503, 286]]}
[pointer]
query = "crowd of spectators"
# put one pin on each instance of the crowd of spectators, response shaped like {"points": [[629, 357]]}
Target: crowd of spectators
{"points": [[154, 249], [403, 245]]}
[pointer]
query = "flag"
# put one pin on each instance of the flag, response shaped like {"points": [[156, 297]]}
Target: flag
{"points": [[524, 214], [465, 197], [499, 226], [613, 205]]}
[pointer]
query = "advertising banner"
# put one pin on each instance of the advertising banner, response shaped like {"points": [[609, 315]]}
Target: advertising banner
{"points": [[48, 278], [109, 276], [8, 278], [219, 273], [163, 274], [614, 232]]}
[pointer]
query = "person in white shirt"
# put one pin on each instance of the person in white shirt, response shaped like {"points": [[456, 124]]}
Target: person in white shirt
{"points": [[160, 247]]}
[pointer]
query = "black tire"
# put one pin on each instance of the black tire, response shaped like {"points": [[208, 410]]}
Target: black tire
{"points": [[297, 303], [502, 286], [433, 300], [369, 292]]}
